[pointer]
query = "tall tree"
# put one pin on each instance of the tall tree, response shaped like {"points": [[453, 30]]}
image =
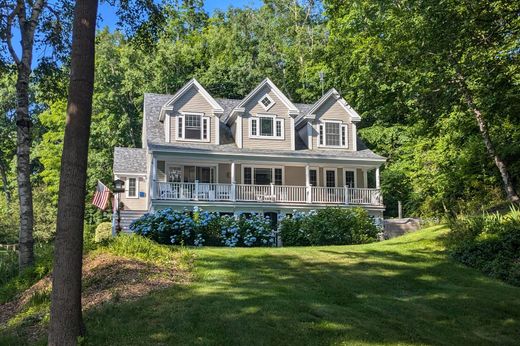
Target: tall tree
{"points": [[66, 317], [26, 17]]}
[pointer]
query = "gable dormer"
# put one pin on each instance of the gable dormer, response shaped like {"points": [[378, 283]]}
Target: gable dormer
{"points": [[191, 115], [329, 124], [264, 119]]}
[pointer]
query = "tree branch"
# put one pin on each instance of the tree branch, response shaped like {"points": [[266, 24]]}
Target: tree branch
{"points": [[9, 35]]}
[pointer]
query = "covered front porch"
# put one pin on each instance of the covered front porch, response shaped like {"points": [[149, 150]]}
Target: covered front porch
{"points": [[264, 182]]}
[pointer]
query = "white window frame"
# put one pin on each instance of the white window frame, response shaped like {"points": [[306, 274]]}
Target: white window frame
{"points": [[136, 187], [325, 170], [270, 99], [343, 130], [345, 170], [257, 127], [261, 166], [205, 120]]}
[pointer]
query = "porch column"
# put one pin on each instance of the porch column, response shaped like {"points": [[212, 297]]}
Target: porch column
{"points": [[233, 182], [308, 188], [154, 177], [378, 185]]}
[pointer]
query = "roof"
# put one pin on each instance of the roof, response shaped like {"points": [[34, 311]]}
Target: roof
{"points": [[129, 160]]}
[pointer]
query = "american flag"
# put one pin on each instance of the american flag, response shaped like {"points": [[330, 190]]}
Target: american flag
{"points": [[101, 196]]}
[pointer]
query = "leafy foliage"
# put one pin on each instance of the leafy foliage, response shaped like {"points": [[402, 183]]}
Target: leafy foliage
{"points": [[200, 228], [328, 226], [489, 242], [103, 232]]}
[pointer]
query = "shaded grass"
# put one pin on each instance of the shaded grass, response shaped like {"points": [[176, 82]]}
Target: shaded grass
{"points": [[403, 291]]}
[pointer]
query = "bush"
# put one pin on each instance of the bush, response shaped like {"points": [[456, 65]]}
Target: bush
{"points": [[329, 226], [103, 232], [200, 228], [489, 242]]}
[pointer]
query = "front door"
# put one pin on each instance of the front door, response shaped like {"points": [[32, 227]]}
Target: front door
{"points": [[330, 178]]}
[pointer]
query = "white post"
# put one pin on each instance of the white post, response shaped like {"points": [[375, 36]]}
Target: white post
{"points": [[378, 185], [272, 189], [308, 188], [154, 178], [196, 190], [399, 210], [346, 194], [233, 182]]}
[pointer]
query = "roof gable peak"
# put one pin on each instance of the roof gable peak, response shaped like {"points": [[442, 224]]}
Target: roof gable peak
{"points": [[192, 82]]}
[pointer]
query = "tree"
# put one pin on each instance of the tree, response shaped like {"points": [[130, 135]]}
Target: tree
{"points": [[445, 73], [66, 317], [29, 18]]}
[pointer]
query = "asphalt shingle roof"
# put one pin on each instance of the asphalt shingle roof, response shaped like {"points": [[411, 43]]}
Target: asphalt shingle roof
{"points": [[129, 160]]}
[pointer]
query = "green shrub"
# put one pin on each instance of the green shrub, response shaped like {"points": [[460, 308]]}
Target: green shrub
{"points": [[489, 242], [329, 226], [103, 232]]}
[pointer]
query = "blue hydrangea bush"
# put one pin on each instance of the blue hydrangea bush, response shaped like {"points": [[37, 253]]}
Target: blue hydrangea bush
{"points": [[199, 228]]}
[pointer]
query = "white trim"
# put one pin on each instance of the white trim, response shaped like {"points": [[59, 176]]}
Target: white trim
{"points": [[309, 135], [345, 170], [240, 107], [203, 119], [269, 98], [239, 133], [217, 131], [341, 126], [293, 133], [354, 137], [243, 166], [136, 187], [354, 116], [217, 109], [167, 128], [378, 182], [325, 170], [258, 127]]}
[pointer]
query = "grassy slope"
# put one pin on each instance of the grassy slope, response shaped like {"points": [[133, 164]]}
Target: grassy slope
{"points": [[402, 291]]}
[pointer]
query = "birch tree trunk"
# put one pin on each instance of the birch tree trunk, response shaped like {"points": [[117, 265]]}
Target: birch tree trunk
{"points": [[66, 322], [507, 182], [27, 26]]}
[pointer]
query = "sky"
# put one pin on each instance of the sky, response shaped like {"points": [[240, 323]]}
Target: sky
{"points": [[108, 17]]}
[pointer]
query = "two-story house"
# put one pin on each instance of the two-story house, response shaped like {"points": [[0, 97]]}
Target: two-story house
{"points": [[263, 154]]}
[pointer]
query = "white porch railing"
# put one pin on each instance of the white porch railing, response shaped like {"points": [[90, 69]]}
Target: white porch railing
{"points": [[267, 193]]}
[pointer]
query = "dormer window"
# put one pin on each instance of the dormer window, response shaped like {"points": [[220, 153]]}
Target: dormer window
{"points": [[266, 126], [332, 134], [266, 102], [193, 127]]}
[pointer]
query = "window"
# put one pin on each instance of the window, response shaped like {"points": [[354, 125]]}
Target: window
{"points": [[204, 175], [332, 134], [132, 188], [313, 177], [266, 126], [330, 178], [278, 176], [193, 127], [350, 179], [174, 174], [263, 175], [266, 102], [247, 175]]}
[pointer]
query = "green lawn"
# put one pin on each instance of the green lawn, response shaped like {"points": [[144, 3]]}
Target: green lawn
{"points": [[403, 291]]}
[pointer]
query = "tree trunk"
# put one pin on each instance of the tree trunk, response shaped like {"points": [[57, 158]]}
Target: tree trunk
{"points": [[3, 174], [66, 319], [23, 130], [512, 196]]}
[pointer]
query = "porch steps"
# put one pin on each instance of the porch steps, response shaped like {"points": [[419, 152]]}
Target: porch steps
{"points": [[128, 216]]}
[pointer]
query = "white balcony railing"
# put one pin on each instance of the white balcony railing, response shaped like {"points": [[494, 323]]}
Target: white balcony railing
{"points": [[266, 193]]}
